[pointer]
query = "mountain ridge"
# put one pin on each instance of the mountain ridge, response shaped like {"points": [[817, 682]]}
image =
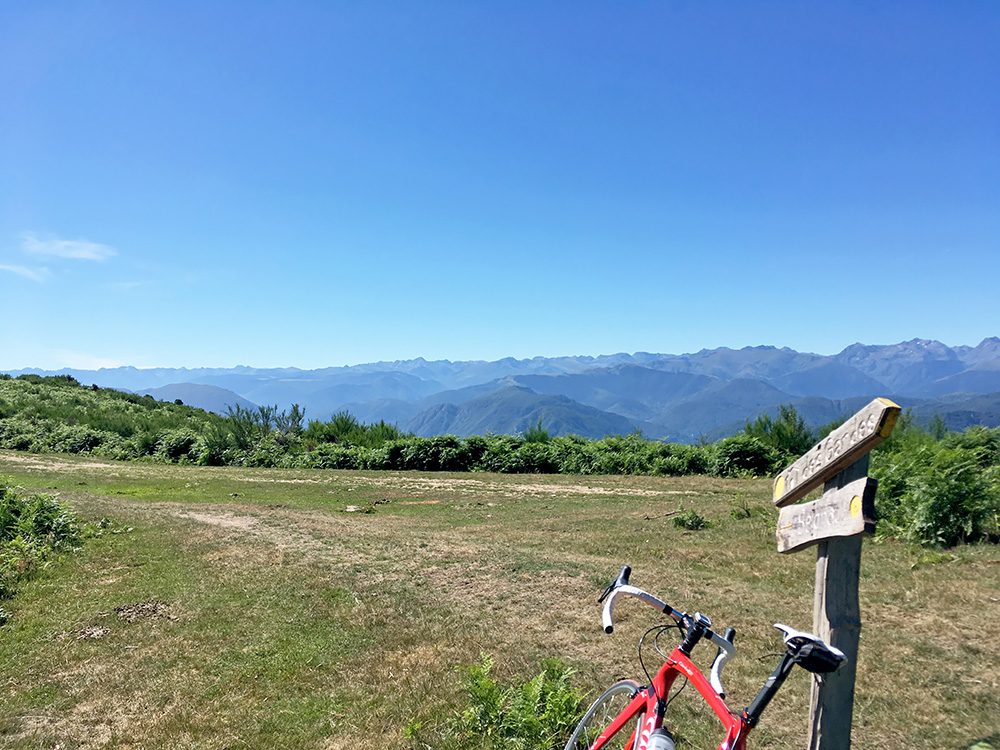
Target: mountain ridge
{"points": [[684, 397]]}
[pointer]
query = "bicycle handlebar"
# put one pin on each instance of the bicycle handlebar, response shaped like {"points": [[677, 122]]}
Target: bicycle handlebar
{"points": [[628, 590], [621, 587]]}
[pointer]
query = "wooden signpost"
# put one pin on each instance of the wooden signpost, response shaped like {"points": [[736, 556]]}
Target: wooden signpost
{"points": [[835, 522]]}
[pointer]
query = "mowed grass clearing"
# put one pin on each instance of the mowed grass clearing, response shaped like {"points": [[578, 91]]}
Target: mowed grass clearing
{"points": [[245, 608]]}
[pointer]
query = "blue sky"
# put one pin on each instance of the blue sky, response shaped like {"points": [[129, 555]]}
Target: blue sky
{"points": [[325, 183]]}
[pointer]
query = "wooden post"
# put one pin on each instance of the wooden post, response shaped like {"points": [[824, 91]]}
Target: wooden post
{"points": [[835, 522], [837, 620]]}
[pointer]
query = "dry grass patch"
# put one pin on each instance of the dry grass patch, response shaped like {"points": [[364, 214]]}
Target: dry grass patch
{"points": [[299, 625]]}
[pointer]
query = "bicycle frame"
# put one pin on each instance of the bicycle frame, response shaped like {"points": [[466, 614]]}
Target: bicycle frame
{"points": [[651, 701]]}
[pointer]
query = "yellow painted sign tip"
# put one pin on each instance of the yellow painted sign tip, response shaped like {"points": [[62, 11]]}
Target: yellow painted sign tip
{"points": [[779, 487], [890, 421], [889, 402]]}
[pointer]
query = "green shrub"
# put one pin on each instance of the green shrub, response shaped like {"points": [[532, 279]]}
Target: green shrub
{"points": [[20, 434], [178, 445], [439, 453], [939, 492], [475, 447], [575, 455], [743, 455], [332, 456], [343, 427], [690, 520], [632, 454], [982, 442], [533, 458], [74, 439], [217, 446], [500, 454], [37, 517], [788, 433], [538, 714], [536, 433], [31, 528], [952, 502], [675, 459]]}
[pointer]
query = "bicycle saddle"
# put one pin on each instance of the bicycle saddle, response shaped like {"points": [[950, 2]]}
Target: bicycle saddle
{"points": [[810, 651]]}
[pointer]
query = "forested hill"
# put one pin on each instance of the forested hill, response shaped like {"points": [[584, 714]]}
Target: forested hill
{"points": [[685, 397]]}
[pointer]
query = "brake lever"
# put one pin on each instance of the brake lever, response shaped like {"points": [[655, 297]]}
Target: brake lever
{"points": [[621, 580]]}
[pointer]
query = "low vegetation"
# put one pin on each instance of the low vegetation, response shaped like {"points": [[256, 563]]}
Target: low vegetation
{"points": [[535, 714], [942, 489], [33, 529], [262, 608], [937, 488]]}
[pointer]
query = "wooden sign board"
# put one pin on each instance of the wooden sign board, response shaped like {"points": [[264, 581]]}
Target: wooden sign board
{"points": [[835, 522], [846, 511], [838, 450]]}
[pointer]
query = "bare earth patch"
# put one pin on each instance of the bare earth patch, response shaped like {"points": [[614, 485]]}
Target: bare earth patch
{"points": [[143, 610], [227, 520], [511, 488], [93, 632], [48, 463]]}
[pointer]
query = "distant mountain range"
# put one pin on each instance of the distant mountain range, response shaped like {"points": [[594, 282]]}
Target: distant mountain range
{"points": [[683, 397]]}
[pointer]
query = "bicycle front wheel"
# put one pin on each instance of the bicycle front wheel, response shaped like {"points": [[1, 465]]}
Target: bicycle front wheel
{"points": [[604, 710]]}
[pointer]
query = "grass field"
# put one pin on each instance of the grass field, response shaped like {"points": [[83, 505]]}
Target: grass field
{"points": [[240, 608]]}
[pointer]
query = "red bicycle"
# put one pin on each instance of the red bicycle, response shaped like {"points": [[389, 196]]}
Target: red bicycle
{"points": [[629, 716]]}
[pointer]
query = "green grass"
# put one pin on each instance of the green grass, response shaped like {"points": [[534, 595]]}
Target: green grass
{"points": [[287, 621]]}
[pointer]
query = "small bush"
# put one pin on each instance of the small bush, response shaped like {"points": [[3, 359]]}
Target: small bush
{"points": [[536, 433], [75, 439], [982, 442], [950, 502], [743, 455], [535, 715], [332, 456], [31, 528], [533, 458], [690, 520], [39, 518], [500, 454], [787, 433], [939, 492], [343, 427], [178, 445], [439, 453], [676, 460], [575, 455]]}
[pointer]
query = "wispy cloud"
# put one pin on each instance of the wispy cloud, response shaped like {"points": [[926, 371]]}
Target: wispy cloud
{"points": [[35, 274], [32, 244]]}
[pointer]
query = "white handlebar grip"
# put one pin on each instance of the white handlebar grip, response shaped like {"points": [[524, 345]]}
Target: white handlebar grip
{"points": [[728, 650], [627, 590], [609, 606]]}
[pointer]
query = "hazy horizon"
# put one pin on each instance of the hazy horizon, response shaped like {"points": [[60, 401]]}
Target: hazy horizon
{"points": [[521, 359]]}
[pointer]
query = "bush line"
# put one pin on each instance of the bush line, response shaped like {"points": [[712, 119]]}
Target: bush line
{"points": [[936, 487]]}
